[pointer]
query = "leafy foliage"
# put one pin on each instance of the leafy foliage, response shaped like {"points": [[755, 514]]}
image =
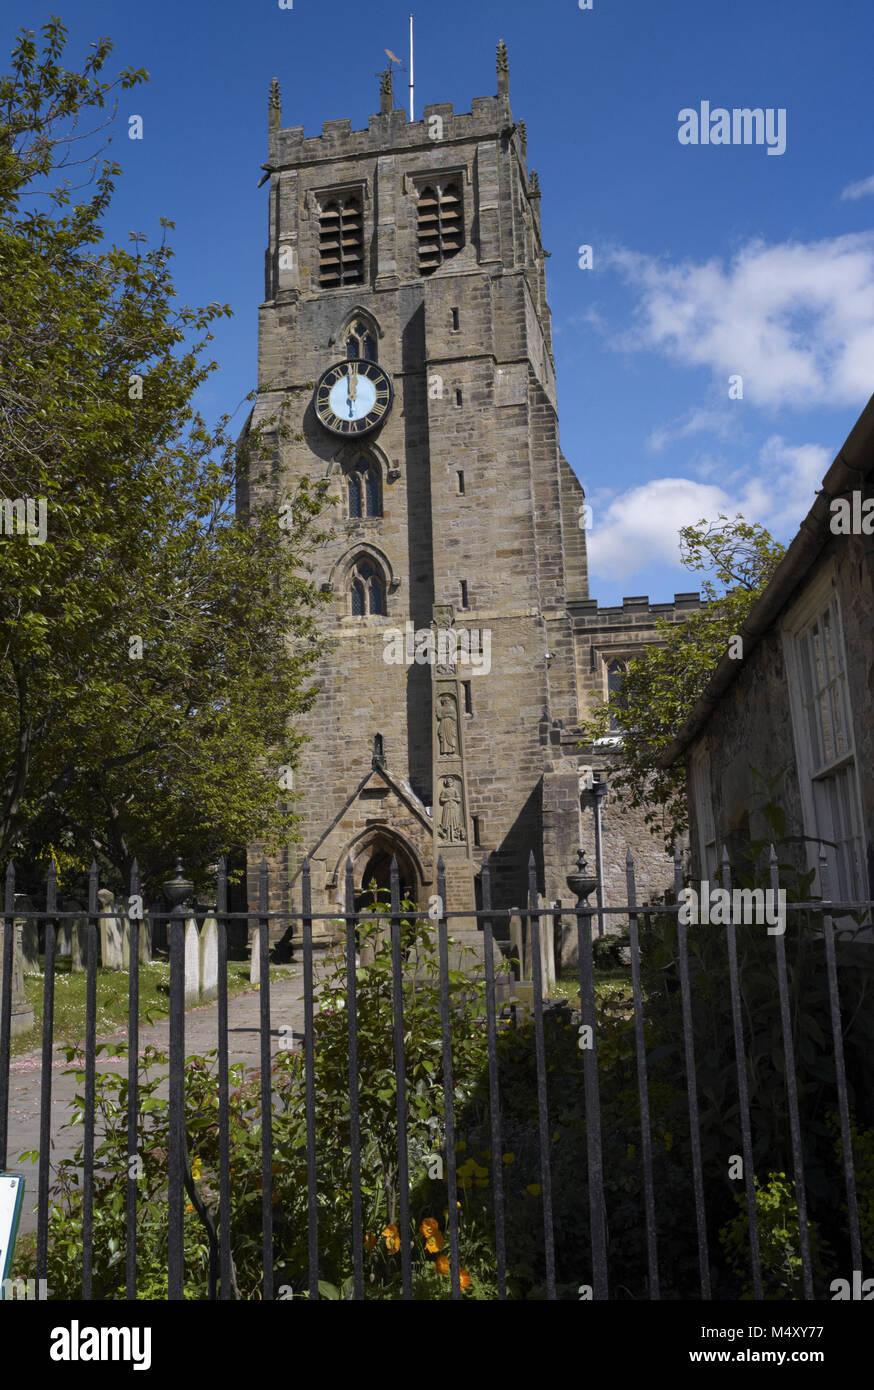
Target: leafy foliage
{"points": [[154, 647], [662, 686]]}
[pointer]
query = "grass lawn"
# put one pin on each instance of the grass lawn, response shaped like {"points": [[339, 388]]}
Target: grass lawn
{"points": [[112, 999], [609, 980]]}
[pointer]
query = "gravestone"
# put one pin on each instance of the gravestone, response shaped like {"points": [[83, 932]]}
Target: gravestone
{"points": [[518, 943], [29, 935], [192, 964], [22, 1014], [209, 959], [255, 959], [79, 944], [111, 949], [146, 941], [65, 929]]}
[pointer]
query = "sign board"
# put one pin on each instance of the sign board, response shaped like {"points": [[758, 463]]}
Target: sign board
{"points": [[11, 1199]]}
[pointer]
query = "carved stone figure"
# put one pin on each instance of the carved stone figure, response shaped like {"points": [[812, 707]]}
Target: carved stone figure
{"points": [[451, 829], [447, 726]]}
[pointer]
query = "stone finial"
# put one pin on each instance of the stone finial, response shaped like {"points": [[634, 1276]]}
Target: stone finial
{"points": [[534, 184], [523, 136], [386, 91], [274, 109], [503, 70]]}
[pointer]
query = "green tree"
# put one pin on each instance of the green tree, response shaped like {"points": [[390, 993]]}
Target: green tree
{"points": [[153, 645], [662, 686]]}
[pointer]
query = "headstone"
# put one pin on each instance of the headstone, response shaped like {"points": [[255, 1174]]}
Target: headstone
{"points": [[111, 954], [255, 959], [65, 929], [192, 964], [29, 935], [146, 941], [79, 944], [209, 959], [22, 1014], [518, 943], [547, 937]]}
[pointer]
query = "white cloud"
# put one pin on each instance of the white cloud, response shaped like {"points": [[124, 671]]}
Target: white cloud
{"points": [[795, 320], [721, 423], [639, 528], [863, 189]]}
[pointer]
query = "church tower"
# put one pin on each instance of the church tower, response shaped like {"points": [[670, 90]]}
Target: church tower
{"points": [[406, 327]]}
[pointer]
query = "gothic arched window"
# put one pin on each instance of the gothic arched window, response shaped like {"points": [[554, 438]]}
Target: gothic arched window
{"points": [[363, 489], [366, 588], [616, 673], [439, 224], [360, 341], [341, 242]]}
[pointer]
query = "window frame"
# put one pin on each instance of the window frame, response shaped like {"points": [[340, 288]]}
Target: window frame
{"points": [[340, 194], [439, 180], [821, 597]]}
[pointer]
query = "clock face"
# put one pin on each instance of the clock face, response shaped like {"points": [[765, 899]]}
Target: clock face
{"points": [[353, 397]]}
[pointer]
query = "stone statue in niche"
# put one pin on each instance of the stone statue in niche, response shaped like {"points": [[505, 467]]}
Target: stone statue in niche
{"points": [[447, 725], [451, 829]]}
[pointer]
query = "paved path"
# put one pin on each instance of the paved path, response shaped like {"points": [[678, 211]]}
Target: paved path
{"points": [[201, 1035]]}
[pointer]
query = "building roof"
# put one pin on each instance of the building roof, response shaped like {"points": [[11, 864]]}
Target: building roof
{"points": [[853, 465]]}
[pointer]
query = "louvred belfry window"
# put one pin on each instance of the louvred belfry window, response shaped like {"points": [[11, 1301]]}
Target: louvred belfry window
{"points": [[341, 242], [440, 225]]}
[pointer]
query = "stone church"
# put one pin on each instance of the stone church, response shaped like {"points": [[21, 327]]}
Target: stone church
{"points": [[406, 324]]}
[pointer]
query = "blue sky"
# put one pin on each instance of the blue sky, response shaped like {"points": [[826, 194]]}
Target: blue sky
{"points": [[708, 260]]}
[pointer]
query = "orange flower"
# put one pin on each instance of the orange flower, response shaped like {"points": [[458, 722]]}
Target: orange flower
{"points": [[369, 1241], [434, 1243], [392, 1239], [429, 1227], [441, 1264]]}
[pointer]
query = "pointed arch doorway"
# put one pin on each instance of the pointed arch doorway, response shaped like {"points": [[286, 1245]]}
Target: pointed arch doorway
{"points": [[372, 864]]}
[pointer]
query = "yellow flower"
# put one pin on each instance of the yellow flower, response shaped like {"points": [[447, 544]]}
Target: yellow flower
{"points": [[508, 1158], [189, 1206], [369, 1241], [392, 1239], [479, 1172], [434, 1243], [534, 1189], [196, 1168]]}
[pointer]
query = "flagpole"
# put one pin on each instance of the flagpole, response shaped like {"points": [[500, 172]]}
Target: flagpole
{"points": [[411, 67]]}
